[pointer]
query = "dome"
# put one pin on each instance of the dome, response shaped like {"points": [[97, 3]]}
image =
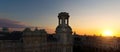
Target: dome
{"points": [[63, 29], [63, 15]]}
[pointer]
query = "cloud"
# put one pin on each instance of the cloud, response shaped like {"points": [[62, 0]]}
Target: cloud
{"points": [[12, 23]]}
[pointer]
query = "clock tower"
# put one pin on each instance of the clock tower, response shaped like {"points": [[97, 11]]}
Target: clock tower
{"points": [[64, 32]]}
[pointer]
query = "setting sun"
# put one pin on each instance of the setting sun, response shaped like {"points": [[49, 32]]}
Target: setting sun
{"points": [[107, 33]]}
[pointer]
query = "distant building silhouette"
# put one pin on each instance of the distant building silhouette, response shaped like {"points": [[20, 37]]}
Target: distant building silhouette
{"points": [[5, 29]]}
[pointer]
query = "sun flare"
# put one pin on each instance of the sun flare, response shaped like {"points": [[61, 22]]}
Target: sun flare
{"points": [[107, 33]]}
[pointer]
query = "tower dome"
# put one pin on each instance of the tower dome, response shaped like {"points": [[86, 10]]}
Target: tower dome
{"points": [[63, 29]]}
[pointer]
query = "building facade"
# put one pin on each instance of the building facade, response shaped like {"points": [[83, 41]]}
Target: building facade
{"points": [[39, 40]]}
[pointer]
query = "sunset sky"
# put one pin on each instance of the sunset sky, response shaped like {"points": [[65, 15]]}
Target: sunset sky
{"points": [[86, 16]]}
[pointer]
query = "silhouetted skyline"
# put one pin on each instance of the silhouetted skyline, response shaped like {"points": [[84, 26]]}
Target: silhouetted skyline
{"points": [[86, 16]]}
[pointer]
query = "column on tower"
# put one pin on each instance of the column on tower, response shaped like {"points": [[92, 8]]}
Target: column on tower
{"points": [[59, 21], [67, 22]]}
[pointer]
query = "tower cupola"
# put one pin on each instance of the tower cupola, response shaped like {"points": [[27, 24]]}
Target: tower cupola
{"points": [[63, 18], [63, 23]]}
